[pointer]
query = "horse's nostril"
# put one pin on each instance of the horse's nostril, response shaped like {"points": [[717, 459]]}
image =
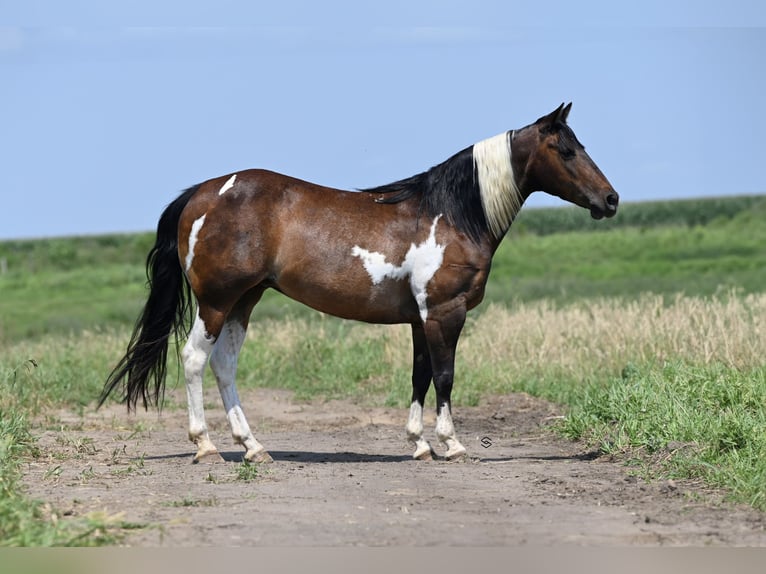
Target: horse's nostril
{"points": [[612, 200]]}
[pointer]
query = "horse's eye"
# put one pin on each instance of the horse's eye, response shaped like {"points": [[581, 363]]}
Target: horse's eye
{"points": [[567, 153]]}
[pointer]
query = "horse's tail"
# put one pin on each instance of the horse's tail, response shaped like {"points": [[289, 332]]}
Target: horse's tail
{"points": [[166, 312]]}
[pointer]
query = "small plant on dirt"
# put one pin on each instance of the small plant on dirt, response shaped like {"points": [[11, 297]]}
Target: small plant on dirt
{"points": [[139, 430], [191, 502], [80, 445], [136, 466], [247, 471], [117, 453], [53, 473], [86, 474]]}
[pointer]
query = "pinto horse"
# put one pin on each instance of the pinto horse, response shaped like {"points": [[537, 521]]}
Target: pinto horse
{"points": [[416, 251]]}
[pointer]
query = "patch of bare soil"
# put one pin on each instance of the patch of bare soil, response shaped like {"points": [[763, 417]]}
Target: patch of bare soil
{"points": [[342, 475]]}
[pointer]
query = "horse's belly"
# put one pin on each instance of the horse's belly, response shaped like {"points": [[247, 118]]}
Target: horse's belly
{"points": [[333, 273], [348, 296]]}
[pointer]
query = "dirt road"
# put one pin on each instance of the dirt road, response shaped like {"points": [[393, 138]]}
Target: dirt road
{"points": [[343, 476]]}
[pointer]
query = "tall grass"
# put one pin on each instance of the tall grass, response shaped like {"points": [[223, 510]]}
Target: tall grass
{"points": [[636, 374], [534, 344], [530, 346]]}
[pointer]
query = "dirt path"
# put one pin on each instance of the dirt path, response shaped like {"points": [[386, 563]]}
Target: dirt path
{"points": [[343, 476]]}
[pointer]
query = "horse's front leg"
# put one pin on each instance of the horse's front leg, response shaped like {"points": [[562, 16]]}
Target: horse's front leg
{"points": [[421, 380], [442, 330], [195, 355], [224, 364]]}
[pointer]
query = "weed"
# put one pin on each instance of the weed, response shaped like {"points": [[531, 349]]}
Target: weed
{"points": [[53, 473], [191, 502], [87, 474], [80, 445], [247, 471], [135, 466]]}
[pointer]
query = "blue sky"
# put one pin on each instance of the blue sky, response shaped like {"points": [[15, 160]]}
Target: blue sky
{"points": [[109, 111]]}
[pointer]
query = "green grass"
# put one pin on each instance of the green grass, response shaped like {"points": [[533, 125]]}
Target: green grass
{"points": [[187, 502], [248, 471], [70, 285], [628, 261], [645, 215], [706, 421]]}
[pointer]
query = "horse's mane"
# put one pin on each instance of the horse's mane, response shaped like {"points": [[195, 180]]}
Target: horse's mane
{"points": [[449, 188]]}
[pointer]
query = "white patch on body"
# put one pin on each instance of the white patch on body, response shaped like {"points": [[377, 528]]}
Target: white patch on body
{"points": [[376, 265], [420, 265], [193, 234], [228, 185], [500, 195]]}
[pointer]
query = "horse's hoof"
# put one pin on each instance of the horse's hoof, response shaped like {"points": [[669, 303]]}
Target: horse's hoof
{"points": [[455, 455], [427, 454], [258, 457], [207, 457]]}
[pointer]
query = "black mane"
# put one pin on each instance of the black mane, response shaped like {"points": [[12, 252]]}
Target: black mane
{"points": [[450, 189]]}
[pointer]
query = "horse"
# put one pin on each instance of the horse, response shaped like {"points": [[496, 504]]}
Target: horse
{"points": [[416, 251]]}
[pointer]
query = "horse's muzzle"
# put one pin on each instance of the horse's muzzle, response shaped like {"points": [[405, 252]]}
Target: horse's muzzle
{"points": [[608, 209]]}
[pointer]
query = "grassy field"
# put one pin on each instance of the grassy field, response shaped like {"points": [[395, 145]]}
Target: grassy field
{"points": [[694, 247], [652, 331]]}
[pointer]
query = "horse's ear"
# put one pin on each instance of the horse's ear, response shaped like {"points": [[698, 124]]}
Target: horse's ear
{"points": [[564, 113], [558, 115]]}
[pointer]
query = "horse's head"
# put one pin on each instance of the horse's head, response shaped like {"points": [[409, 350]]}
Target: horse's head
{"points": [[557, 164]]}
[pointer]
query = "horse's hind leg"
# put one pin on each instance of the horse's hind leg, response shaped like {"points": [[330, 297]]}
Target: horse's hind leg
{"points": [[223, 362], [195, 355], [421, 380]]}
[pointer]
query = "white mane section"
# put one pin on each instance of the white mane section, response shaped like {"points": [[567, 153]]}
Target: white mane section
{"points": [[500, 196]]}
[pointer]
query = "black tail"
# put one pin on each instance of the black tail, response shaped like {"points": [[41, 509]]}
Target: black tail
{"points": [[167, 311]]}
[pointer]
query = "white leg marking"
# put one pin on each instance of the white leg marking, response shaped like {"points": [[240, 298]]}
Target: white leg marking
{"points": [[445, 430], [415, 431], [193, 235], [228, 185], [420, 265], [500, 196], [223, 361], [195, 355]]}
